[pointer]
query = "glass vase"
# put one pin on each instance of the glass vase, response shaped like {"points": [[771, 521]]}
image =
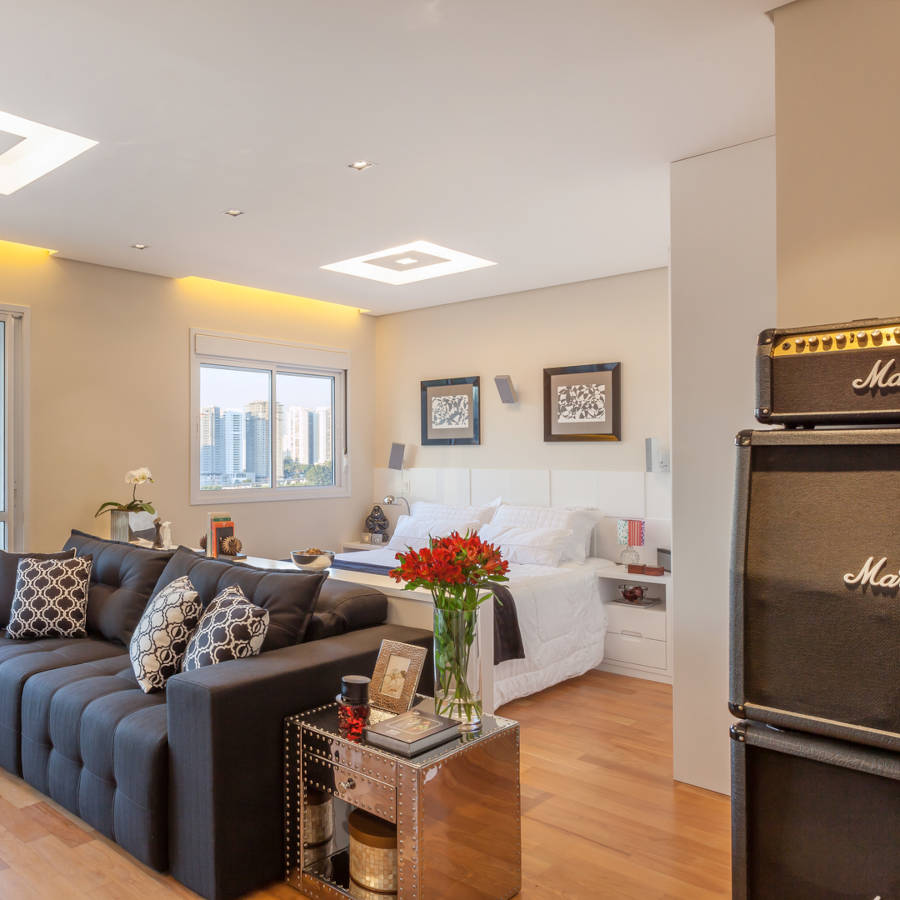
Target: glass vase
{"points": [[457, 667]]}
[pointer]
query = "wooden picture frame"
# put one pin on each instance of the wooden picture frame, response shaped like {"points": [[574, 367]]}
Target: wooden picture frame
{"points": [[583, 403], [396, 676], [451, 411]]}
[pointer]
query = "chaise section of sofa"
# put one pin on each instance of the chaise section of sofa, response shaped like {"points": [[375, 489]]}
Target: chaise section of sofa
{"points": [[226, 753]]}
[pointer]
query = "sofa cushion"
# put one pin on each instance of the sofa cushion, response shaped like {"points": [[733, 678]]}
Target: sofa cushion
{"points": [[98, 745], [343, 606], [158, 644], [19, 660], [50, 599], [122, 580], [9, 564], [289, 597], [231, 628]]}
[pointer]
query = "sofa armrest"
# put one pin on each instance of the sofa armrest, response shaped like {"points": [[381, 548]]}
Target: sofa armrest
{"points": [[226, 744]]}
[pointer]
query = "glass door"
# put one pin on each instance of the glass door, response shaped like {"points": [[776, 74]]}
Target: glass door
{"points": [[11, 436]]}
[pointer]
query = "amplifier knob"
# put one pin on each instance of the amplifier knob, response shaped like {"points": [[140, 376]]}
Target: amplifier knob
{"points": [[876, 336], [861, 337], [814, 341], [800, 342], [826, 340], [840, 338], [897, 333]]}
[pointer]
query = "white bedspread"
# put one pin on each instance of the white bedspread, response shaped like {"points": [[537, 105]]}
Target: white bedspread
{"points": [[561, 616]]}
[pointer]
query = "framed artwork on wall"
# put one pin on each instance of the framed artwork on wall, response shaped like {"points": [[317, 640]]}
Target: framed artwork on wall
{"points": [[583, 403], [451, 411]]}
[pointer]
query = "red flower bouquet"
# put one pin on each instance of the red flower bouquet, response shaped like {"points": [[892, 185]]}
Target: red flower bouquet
{"points": [[458, 571]]}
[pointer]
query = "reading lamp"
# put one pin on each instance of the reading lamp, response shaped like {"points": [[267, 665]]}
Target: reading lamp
{"points": [[391, 500]]}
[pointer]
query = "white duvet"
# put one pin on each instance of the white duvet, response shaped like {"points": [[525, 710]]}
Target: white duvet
{"points": [[561, 617]]}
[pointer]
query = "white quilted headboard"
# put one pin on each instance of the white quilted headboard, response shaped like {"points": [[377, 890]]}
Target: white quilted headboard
{"points": [[613, 495]]}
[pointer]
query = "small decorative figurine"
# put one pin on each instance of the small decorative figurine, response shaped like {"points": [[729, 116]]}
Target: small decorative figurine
{"points": [[377, 521], [231, 546]]}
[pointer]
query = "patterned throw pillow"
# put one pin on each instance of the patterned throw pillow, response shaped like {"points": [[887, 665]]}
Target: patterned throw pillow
{"points": [[231, 628], [50, 599], [161, 637]]}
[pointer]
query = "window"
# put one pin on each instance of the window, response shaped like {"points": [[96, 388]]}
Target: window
{"points": [[269, 421]]}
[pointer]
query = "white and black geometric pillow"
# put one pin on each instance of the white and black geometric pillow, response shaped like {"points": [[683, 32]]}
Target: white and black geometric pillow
{"points": [[162, 634], [50, 599], [231, 628]]}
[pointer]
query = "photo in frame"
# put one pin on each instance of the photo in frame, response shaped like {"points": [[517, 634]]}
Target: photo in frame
{"points": [[583, 403], [396, 676], [451, 411]]}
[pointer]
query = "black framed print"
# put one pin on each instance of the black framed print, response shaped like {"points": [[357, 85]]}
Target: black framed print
{"points": [[583, 403], [451, 411]]}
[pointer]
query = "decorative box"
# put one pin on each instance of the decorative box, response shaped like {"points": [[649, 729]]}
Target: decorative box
{"points": [[373, 855]]}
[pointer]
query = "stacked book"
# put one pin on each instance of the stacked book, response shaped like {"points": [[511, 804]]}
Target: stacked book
{"points": [[220, 526]]}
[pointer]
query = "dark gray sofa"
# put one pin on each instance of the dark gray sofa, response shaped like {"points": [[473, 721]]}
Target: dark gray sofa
{"points": [[189, 779]]}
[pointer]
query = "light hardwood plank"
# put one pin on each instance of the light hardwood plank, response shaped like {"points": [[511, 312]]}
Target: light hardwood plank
{"points": [[602, 816]]}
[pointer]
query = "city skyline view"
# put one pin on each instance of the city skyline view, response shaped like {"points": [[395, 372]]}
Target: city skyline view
{"points": [[236, 429]]}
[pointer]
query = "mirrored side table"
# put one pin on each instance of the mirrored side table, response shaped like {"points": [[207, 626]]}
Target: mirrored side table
{"points": [[456, 808]]}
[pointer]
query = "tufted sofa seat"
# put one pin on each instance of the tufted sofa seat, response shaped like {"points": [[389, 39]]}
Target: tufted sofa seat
{"points": [[188, 779], [98, 745]]}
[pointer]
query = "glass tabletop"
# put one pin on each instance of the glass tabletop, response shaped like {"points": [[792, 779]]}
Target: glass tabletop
{"points": [[325, 721]]}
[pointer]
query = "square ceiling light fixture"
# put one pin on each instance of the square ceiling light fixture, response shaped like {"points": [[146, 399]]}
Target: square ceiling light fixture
{"points": [[29, 150], [409, 262]]}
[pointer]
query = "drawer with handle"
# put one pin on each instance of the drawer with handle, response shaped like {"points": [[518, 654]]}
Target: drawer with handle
{"points": [[635, 648], [360, 790], [648, 623]]}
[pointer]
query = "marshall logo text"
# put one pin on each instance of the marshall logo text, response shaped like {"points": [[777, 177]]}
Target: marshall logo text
{"points": [[870, 574], [882, 377]]}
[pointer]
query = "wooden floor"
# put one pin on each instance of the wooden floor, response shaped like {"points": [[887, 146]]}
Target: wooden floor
{"points": [[602, 816]]}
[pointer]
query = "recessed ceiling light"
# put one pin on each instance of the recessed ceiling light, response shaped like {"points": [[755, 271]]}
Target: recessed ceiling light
{"points": [[40, 150], [360, 165], [139, 246], [409, 262], [234, 213]]}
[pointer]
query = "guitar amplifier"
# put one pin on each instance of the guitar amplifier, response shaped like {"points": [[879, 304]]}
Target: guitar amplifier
{"points": [[847, 373], [812, 818], [815, 608]]}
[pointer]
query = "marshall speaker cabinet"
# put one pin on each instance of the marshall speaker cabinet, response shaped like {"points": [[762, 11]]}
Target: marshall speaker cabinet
{"points": [[847, 373], [815, 595], [812, 818]]}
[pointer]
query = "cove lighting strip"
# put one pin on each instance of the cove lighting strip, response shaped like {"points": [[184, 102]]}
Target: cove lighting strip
{"points": [[41, 150]]}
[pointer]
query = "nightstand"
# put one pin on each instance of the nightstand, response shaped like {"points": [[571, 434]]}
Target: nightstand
{"points": [[354, 546], [638, 639]]}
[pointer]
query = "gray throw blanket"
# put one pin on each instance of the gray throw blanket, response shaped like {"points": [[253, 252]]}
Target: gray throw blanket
{"points": [[507, 637]]}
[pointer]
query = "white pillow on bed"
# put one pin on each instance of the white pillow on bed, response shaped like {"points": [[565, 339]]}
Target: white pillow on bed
{"points": [[482, 514], [528, 546], [578, 522], [417, 531]]}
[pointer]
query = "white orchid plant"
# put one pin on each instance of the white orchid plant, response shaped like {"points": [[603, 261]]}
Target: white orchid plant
{"points": [[135, 477]]}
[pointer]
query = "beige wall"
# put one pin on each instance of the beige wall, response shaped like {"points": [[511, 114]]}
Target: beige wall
{"points": [[837, 84], [109, 374], [621, 319]]}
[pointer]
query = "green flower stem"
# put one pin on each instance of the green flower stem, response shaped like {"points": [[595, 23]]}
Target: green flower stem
{"points": [[455, 632]]}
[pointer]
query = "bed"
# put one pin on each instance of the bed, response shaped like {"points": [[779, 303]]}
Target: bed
{"points": [[562, 619]]}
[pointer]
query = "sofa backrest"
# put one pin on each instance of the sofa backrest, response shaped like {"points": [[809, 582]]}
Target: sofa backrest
{"points": [[290, 597], [343, 606], [122, 578]]}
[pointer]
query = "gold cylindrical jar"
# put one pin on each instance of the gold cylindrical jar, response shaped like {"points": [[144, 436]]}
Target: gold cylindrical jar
{"points": [[373, 856]]}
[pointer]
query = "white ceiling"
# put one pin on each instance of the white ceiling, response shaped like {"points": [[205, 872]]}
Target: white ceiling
{"points": [[536, 134]]}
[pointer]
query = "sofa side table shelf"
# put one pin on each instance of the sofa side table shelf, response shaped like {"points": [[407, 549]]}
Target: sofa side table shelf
{"points": [[638, 639], [457, 809]]}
